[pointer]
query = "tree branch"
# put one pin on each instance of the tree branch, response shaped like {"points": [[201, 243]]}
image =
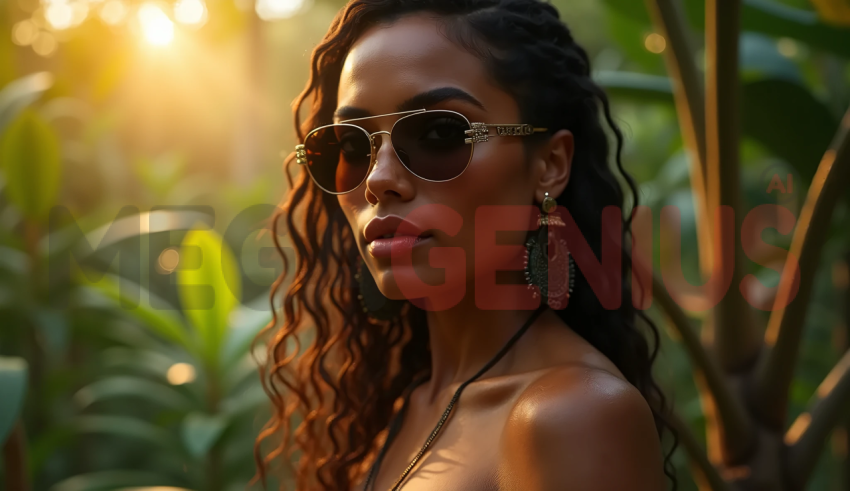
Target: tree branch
{"points": [[689, 96], [669, 21], [785, 327], [15, 459], [736, 341], [831, 407], [708, 474], [736, 427]]}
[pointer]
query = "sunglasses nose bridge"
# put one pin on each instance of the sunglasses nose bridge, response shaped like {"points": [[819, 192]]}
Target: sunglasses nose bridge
{"points": [[374, 138]]}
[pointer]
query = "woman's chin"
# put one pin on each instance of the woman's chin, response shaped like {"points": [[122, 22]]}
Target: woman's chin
{"points": [[408, 282]]}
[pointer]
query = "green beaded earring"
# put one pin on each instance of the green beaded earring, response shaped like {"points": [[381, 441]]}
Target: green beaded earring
{"points": [[556, 287]]}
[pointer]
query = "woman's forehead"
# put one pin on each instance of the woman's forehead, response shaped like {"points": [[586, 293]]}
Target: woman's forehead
{"points": [[390, 63]]}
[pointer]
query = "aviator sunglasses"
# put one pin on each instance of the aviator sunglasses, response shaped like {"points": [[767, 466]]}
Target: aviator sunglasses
{"points": [[434, 145]]}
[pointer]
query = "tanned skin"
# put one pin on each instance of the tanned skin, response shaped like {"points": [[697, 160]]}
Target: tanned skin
{"points": [[554, 413]]}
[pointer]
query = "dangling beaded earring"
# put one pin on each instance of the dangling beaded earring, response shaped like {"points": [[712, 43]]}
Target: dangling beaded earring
{"points": [[557, 287], [372, 301]]}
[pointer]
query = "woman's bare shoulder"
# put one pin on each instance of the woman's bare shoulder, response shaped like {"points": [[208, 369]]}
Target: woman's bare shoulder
{"points": [[581, 426]]}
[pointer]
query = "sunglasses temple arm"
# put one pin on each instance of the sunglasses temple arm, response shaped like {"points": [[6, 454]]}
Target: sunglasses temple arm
{"points": [[480, 132]]}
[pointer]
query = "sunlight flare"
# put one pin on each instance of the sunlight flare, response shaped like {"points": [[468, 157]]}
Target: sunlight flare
{"points": [[156, 26]]}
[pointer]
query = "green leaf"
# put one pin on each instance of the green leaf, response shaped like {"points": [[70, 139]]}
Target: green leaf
{"points": [[630, 33], [13, 387], [210, 291], [161, 321], [765, 16], [760, 58], [111, 480], [53, 327], [201, 431], [248, 399], [29, 155], [125, 386], [18, 94], [780, 114], [773, 18], [788, 121], [636, 86], [47, 443], [126, 427], [139, 361], [247, 323]]}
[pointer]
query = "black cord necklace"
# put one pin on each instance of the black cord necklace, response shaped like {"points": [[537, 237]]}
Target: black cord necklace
{"points": [[395, 425]]}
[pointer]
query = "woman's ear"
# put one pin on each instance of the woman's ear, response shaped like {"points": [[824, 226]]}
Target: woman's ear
{"points": [[556, 160]]}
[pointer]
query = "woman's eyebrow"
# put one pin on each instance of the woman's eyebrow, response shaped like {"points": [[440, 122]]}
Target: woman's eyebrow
{"points": [[435, 96], [424, 99]]}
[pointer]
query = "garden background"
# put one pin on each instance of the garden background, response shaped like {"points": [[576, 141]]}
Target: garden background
{"points": [[157, 131]]}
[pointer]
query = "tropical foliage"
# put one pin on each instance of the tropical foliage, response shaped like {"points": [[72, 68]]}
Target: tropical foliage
{"points": [[139, 160]]}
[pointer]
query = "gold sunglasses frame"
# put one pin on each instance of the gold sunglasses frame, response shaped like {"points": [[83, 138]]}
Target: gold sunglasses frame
{"points": [[479, 133]]}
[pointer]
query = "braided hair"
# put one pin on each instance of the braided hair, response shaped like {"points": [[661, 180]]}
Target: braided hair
{"points": [[531, 54]]}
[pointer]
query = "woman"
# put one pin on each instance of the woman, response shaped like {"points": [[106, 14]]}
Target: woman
{"points": [[420, 371]]}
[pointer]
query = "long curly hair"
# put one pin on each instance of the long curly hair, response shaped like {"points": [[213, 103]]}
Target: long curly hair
{"points": [[345, 386]]}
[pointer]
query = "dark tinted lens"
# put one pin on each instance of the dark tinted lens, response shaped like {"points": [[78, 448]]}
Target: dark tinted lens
{"points": [[338, 157], [431, 144]]}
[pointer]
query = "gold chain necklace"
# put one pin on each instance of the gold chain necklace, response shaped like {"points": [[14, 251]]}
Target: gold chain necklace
{"points": [[396, 423]]}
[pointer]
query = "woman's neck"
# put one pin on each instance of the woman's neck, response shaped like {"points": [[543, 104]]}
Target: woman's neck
{"points": [[465, 337]]}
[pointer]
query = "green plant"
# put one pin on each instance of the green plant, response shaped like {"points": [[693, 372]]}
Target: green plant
{"points": [[744, 376], [197, 376]]}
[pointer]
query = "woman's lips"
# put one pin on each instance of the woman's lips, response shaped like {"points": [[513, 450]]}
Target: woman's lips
{"points": [[394, 245]]}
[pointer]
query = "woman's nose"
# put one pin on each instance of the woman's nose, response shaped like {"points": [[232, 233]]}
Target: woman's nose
{"points": [[388, 178]]}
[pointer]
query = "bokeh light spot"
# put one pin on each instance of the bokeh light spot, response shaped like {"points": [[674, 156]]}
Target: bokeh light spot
{"points": [[278, 9], [169, 259], [24, 32], [59, 15], [655, 43], [156, 26], [113, 12], [45, 44], [180, 373], [191, 12]]}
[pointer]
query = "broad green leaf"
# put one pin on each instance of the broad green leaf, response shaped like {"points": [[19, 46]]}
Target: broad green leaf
{"points": [[248, 399], [760, 58], [118, 230], [246, 324], [139, 361], [788, 121], [209, 288], [20, 93], [161, 321], [636, 86], [764, 16], [111, 480], [53, 327], [630, 36], [773, 18], [200, 432], [45, 444], [237, 374], [125, 427], [782, 115], [13, 387], [134, 387], [30, 158], [13, 260]]}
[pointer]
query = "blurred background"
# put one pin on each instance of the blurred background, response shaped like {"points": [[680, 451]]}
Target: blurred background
{"points": [[136, 133]]}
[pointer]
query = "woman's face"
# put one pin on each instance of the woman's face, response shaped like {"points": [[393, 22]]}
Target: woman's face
{"points": [[387, 66]]}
